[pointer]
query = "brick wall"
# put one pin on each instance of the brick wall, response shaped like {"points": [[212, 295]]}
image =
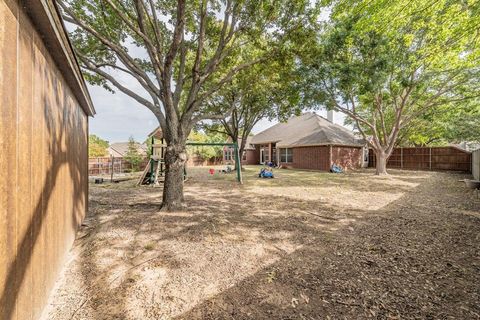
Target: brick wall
{"points": [[314, 158], [252, 157], [318, 157], [347, 157]]}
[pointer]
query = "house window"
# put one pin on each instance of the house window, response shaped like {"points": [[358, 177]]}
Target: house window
{"points": [[286, 155], [228, 155], [244, 155], [266, 156]]}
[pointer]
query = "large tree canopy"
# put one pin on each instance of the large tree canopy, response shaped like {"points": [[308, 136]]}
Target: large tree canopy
{"points": [[269, 90], [387, 63], [443, 125], [97, 147], [176, 54]]}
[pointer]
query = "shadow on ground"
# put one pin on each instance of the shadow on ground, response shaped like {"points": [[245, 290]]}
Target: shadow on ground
{"points": [[240, 253]]}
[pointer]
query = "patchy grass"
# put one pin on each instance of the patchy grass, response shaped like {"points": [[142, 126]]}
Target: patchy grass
{"points": [[305, 245]]}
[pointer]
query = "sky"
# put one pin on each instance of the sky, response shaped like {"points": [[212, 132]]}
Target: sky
{"points": [[119, 117]]}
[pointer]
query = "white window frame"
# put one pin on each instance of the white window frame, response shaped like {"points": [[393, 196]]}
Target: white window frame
{"points": [[228, 154], [288, 155]]}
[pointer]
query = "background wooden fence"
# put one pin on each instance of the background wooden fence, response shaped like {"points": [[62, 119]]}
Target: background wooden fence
{"points": [[196, 161], [427, 158], [103, 165], [476, 164]]}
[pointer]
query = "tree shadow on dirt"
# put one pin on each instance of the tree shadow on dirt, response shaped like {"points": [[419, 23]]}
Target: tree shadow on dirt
{"points": [[400, 263], [209, 218], [311, 259]]}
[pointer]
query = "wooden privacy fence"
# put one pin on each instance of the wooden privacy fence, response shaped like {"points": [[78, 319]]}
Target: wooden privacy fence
{"points": [[427, 158], [196, 161], [476, 164], [103, 165]]}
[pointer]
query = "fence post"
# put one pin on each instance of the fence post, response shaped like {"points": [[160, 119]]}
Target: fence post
{"points": [[401, 157], [111, 171], [430, 158]]}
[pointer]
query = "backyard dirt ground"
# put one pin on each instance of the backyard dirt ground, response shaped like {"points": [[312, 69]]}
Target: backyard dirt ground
{"points": [[305, 245]]}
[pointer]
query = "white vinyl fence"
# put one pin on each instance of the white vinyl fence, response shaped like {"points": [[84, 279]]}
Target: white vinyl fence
{"points": [[476, 164]]}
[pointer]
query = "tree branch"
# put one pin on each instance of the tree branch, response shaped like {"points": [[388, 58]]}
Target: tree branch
{"points": [[151, 106], [127, 60]]}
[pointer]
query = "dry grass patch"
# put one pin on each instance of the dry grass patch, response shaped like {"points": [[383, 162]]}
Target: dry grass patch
{"points": [[305, 245]]}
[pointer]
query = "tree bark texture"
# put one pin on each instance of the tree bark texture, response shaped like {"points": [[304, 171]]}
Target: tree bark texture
{"points": [[175, 158], [381, 163]]}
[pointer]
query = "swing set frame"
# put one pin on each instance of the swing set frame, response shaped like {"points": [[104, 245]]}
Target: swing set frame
{"points": [[238, 165], [157, 154]]}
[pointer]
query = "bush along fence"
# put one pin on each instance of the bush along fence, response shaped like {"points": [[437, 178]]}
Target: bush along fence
{"points": [[105, 165], [476, 164], [427, 158]]}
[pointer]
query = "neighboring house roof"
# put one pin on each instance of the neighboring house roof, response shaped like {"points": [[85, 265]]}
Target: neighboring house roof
{"points": [[46, 17], [157, 133], [119, 149], [309, 129]]}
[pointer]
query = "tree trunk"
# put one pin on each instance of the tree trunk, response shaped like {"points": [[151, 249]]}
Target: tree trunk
{"points": [[175, 158], [381, 163]]}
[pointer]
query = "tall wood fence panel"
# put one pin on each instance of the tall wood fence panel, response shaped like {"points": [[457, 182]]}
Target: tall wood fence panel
{"points": [[476, 164], [43, 165], [427, 158], [103, 165]]}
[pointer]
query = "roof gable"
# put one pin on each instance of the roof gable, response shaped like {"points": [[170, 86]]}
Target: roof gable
{"points": [[309, 129], [120, 149]]}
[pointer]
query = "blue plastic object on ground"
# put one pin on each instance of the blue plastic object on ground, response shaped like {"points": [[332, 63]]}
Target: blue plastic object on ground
{"points": [[264, 173], [336, 169]]}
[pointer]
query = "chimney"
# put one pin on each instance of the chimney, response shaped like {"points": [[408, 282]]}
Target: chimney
{"points": [[330, 115]]}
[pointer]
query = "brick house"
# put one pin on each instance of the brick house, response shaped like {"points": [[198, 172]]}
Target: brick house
{"points": [[308, 141], [249, 155], [120, 149]]}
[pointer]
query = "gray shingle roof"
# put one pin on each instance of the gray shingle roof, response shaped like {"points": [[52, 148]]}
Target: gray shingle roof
{"points": [[309, 129], [119, 149]]}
